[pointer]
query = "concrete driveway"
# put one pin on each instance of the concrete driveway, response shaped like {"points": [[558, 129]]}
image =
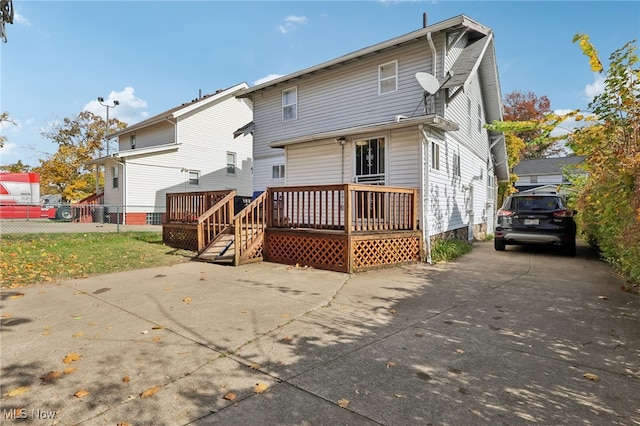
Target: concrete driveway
{"points": [[516, 337]]}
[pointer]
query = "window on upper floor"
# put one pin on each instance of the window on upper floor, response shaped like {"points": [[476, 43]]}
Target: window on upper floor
{"points": [[194, 177], [479, 118], [277, 172], [290, 104], [132, 139], [388, 77], [435, 156], [231, 163]]}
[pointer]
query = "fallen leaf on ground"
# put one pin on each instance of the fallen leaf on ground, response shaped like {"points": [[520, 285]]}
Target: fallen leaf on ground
{"points": [[150, 392], [68, 370], [459, 351], [391, 364], [592, 377], [255, 366], [284, 316], [126, 379], [157, 339], [157, 327], [17, 391], [72, 357], [287, 339], [343, 403], [144, 332], [50, 376], [123, 424], [392, 311], [187, 300], [260, 387], [16, 296], [230, 396], [78, 334], [91, 324], [603, 297], [6, 315], [81, 393]]}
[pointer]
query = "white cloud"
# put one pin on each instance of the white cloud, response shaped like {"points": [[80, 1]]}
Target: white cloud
{"points": [[596, 88], [131, 109], [19, 19], [267, 78], [291, 23], [8, 149]]}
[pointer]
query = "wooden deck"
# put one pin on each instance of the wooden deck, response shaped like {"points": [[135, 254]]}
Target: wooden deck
{"points": [[345, 228]]}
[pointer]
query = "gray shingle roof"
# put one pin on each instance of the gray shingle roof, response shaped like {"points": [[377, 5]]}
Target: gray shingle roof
{"points": [[546, 166]]}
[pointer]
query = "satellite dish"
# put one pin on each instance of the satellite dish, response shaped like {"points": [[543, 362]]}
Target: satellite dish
{"points": [[429, 83]]}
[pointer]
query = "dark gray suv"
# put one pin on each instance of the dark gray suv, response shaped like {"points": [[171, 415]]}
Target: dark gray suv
{"points": [[531, 218]]}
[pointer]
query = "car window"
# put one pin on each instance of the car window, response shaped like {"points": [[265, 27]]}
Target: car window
{"points": [[536, 203]]}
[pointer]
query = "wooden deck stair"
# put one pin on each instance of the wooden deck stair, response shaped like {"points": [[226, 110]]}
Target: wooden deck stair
{"points": [[221, 250]]}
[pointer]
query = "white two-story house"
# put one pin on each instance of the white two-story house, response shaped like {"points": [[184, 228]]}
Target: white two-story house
{"points": [[407, 112], [188, 148]]}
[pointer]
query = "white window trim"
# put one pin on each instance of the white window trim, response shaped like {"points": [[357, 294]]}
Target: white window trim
{"points": [[380, 79], [281, 172], [234, 164], [295, 105], [457, 165], [115, 177], [434, 146], [190, 179]]}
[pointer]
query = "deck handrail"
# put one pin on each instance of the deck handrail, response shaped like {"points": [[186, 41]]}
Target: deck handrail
{"points": [[187, 207], [217, 219], [83, 209], [365, 208], [249, 225]]}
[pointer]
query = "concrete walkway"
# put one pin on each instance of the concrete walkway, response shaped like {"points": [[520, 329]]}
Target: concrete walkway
{"points": [[514, 337]]}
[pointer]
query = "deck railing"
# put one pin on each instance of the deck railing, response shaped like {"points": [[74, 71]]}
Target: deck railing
{"points": [[187, 207], [83, 210], [215, 221], [249, 226], [348, 208]]}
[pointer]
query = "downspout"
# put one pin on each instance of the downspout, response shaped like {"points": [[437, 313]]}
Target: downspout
{"points": [[124, 193], [424, 185]]}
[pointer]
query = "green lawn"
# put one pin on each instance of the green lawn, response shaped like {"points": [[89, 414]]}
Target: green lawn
{"points": [[36, 258]]}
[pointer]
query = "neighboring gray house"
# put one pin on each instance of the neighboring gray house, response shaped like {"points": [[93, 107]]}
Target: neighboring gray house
{"points": [[188, 148], [362, 118], [549, 172]]}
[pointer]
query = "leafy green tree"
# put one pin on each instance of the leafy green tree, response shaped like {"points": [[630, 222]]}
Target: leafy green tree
{"points": [[79, 139], [609, 198]]}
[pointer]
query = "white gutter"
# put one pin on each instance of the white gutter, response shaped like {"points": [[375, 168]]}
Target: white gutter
{"points": [[424, 187], [124, 192]]}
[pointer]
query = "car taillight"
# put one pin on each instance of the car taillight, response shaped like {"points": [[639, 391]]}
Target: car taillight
{"points": [[505, 213], [563, 213]]}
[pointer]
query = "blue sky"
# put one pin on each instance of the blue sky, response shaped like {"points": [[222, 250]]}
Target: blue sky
{"points": [[155, 55]]}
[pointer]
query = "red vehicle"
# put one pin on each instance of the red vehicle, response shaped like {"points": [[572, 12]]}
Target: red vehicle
{"points": [[20, 198]]}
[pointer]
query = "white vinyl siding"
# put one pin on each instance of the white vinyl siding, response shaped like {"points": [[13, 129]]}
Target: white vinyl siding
{"points": [[344, 97], [205, 136]]}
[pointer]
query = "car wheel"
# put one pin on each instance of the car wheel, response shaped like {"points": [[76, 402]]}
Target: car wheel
{"points": [[64, 213], [569, 249], [499, 245]]}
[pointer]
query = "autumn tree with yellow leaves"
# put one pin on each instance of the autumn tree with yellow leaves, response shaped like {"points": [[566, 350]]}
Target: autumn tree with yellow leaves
{"points": [[609, 197], [79, 139]]}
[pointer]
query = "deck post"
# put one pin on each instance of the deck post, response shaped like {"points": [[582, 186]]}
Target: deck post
{"points": [[347, 210]]}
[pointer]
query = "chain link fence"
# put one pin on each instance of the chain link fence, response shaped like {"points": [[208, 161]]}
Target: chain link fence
{"points": [[65, 218]]}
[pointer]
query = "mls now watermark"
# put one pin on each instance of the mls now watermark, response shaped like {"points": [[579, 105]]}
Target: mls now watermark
{"points": [[23, 414]]}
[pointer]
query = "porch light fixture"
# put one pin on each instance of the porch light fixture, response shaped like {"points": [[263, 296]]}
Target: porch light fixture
{"points": [[341, 140]]}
